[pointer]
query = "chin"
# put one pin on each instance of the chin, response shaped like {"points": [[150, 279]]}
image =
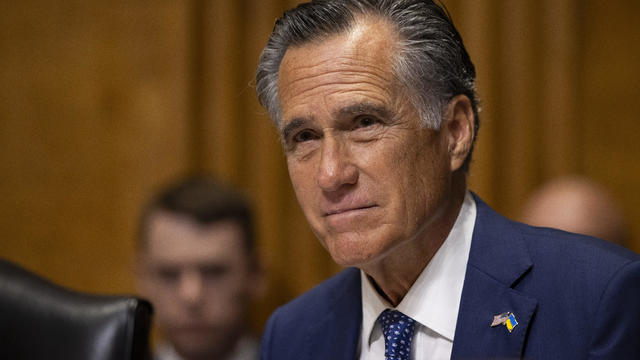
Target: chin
{"points": [[200, 350], [355, 249], [194, 342]]}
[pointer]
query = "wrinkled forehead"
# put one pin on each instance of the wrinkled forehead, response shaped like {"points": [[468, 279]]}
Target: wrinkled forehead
{"points": [[364, 53]]}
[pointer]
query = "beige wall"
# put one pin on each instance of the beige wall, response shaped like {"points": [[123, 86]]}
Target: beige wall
{"points": [[101, 102]]}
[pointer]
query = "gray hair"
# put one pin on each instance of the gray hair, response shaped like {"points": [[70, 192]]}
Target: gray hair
{"points": [[432, 62]]}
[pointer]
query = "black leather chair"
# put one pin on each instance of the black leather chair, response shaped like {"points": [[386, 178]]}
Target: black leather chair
{"points": [[41, 320]]}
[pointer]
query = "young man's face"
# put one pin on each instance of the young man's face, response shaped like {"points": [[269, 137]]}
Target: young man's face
{"points": [[199, 279]]}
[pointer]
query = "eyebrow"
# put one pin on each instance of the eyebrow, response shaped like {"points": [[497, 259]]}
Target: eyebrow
{"points": [[364, 108], [292, 126]]}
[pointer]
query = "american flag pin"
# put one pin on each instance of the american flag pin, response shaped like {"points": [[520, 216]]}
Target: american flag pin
{"points": [[499, 319]]}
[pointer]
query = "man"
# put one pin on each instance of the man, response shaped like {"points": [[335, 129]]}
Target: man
{"points": [[375, 104], [197, 265], [579, 205]]}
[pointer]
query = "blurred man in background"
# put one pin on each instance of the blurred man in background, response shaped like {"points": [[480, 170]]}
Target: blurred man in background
{"points": [[196, 263], [578, 205]]}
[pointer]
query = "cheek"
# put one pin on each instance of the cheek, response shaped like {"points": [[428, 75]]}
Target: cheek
{"points": [[303, 181], [166, 307], [422, 179], [160, 293], [433, 186], [227, 303]]}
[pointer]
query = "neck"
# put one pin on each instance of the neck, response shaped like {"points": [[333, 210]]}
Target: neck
{"points": [[394, 275], [219, 352]]}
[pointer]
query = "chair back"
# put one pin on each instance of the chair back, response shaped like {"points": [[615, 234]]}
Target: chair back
{"points": [[41, 320]]}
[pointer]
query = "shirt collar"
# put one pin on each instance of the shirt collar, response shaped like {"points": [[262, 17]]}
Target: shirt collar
{"points": [[433, 300], [246, 348]]}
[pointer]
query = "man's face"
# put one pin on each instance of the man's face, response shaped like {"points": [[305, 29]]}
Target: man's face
{"points": [[199, 279], [368, 175]]}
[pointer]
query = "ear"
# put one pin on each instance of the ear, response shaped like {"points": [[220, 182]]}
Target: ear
{"points": [[459, 125]]}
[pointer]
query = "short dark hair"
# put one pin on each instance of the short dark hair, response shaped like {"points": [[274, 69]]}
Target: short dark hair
{"points": [[204, 200], [432, 64]]}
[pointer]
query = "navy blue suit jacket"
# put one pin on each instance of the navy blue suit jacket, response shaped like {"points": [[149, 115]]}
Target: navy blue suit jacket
{"points": [[574, 297]]}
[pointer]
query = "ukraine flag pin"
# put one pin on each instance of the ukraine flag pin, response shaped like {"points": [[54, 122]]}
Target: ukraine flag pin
{"points": [[511, 322]]}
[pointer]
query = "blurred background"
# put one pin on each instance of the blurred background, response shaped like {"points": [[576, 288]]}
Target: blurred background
{"points": [[103, 102]]}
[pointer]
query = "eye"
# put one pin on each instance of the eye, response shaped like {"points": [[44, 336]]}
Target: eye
{"points": [[214, 271], [304, 135], [168, 274], [366, 121]]}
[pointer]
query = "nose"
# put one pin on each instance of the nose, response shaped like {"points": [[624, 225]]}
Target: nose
{"points": [[336, 168], [190, 289]]}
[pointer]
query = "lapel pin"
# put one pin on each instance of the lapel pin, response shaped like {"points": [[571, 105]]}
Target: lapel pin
{"points": [[508, 319]]}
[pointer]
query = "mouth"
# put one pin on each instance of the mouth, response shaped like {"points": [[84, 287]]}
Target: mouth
{"points": [[195, 329], [339, 211]]}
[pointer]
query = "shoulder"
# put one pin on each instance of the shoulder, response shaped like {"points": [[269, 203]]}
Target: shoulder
{"points": [[548, 263], [321, 298], [581, 256], [589, 285], [546, 246], [287, 330], [582, 269]]}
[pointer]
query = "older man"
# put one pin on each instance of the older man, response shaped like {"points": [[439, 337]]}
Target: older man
{"points": [[376, 107]]}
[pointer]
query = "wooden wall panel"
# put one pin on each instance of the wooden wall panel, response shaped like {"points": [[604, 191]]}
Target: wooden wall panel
{"points": [[92, 111], [474, 20], [609, 113], [558, 142]]}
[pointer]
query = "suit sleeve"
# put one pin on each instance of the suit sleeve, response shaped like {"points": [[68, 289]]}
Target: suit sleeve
{"points": [[267, 337], [616, 331]]}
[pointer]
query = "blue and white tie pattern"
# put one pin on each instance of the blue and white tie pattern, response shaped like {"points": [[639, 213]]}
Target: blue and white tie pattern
{"points": [[397, 329]]}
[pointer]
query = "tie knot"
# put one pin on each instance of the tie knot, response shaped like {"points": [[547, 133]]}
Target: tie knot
{"points": [[398, 333]]}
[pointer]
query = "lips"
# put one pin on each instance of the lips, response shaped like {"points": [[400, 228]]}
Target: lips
{"points": [[349, 218], [343, 210], [195, 327]]}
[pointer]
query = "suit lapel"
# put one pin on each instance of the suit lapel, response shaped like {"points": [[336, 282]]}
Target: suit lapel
{"points": [[482, 298], [497, 261], [337, 334]]}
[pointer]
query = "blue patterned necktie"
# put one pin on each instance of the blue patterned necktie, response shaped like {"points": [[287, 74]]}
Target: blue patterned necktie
{"points": [[398, 333]]}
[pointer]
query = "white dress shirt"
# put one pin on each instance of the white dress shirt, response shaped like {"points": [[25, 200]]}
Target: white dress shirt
{"points": [[432, 301], [246, 349]]}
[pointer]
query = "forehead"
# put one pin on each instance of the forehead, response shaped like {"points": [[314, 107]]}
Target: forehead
{"points": [[361, 55], [178, 239]]}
